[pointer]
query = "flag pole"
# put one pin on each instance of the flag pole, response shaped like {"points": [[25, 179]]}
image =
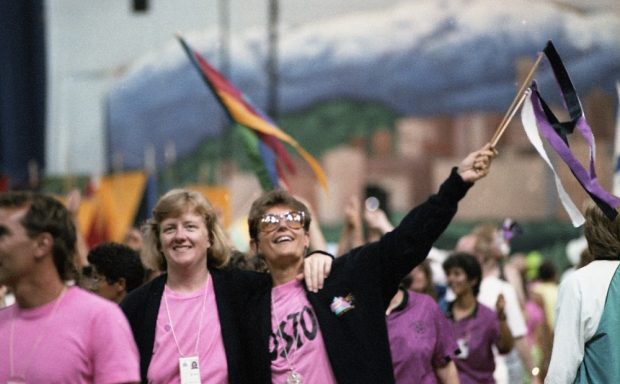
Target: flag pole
{"points": [[502, 128], [516, 102]]}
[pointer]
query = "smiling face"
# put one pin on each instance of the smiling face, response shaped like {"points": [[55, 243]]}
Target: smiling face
{"points": [[184, 240], [459, 282], [282, 243]]}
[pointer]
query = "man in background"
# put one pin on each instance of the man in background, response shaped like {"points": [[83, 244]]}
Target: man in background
{"points": [[54, 333]]}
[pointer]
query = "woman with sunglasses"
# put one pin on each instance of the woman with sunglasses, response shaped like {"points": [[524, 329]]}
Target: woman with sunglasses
{"points": [[186, 321], [338, 334]]}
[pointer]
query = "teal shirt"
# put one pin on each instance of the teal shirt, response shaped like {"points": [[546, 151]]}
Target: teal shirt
{"points": [[601, 360]]}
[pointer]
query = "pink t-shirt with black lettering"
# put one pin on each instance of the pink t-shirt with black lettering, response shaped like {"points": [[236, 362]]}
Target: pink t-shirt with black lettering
{"points": [[78, 338], [186, 312], [296, 341]]}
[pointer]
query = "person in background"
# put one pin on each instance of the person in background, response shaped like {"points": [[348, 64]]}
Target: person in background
{"points": [[317, 239], [339, 333], [189, 315], [422, 345], [546, 287], [133, 239], [517, 262], [54, 333], [352, 234], [486, 243], [574, 252], [477, 328], [114, 270], [539, 334], [420, 280], [586, 343], [73, 200]]}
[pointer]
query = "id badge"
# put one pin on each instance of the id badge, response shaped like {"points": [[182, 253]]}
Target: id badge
{"points": [[189, 369]]}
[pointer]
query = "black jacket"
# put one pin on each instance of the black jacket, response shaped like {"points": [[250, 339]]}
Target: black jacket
{"points": [[141, 307], [357, 341]]}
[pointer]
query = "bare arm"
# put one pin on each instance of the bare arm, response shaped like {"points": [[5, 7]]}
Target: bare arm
{"points": [[448, 374], [316, 267], [545, 338], [506, 342], [317, 240], [352, 235], [73, 202], [525, 353], [377, 220]]}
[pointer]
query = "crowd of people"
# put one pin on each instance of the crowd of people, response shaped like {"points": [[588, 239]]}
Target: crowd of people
{"points": [[178, 304]]}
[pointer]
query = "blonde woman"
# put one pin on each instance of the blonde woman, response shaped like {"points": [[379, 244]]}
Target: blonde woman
{"points": [[185, 321]]}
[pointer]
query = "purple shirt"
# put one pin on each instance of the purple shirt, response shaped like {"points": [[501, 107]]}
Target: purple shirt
{"points": [[476, 335], [420, 339]]}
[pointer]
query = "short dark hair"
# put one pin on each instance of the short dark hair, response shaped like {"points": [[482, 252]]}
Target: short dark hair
{"points": [[546, 271], [47, 215], [271, 199], [468, 263], [115, 261]]}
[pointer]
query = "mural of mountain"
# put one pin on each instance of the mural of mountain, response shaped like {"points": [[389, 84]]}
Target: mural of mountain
{"points": [[422, 58]]}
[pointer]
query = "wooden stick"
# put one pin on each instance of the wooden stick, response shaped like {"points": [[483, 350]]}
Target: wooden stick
{"points": [[500, 132], [519, 99]]}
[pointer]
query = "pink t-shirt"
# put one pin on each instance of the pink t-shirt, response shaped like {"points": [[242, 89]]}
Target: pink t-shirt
{"points": [[79, 338], [186, 312], [296, 341], [534, 316]]}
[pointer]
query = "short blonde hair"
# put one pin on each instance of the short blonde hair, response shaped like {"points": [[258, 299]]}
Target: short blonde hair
{"points": [[174, 203], [603, 234]]}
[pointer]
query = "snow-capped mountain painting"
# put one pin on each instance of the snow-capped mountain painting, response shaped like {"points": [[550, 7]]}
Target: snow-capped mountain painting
{"points": [[422, 58]]}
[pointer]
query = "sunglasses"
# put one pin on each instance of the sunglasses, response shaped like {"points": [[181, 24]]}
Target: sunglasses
{"points": [[270, 222]]}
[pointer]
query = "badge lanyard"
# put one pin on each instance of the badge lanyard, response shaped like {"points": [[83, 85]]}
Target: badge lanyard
{"points": [[189, 366], [293, 377], [14, 378]]}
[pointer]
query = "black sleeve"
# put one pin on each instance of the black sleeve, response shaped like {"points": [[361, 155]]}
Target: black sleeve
{"points": [[400, 250]]}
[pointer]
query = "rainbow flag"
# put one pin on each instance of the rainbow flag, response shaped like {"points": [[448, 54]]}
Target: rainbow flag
{"points": [[266, 142]]}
